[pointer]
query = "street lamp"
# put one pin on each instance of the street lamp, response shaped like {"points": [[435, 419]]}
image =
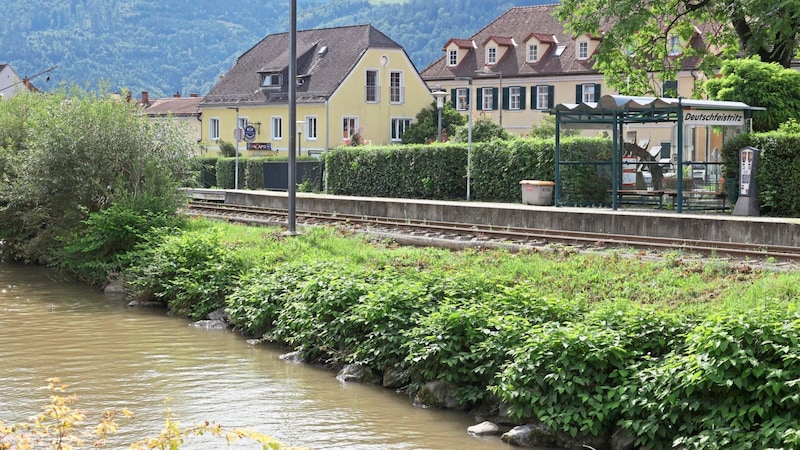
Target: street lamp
{"points": [[487, 71], [300, 125], [469, 131], [440, 95], [292, 187], [236, 137]]}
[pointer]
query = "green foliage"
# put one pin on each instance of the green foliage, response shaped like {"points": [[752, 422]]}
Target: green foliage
{"points": [[208, 170], [77, 153], [190, 271], [734, 386], [762, 84], [227, 149], [254, 172], [226, 172], [778, 172], [644, 31], [107, 235], [791, 126], [423, 130], [483, 130], [546, 129]]}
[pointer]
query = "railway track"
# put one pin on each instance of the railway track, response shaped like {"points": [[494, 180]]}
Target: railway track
{"points": [[463, 235]]}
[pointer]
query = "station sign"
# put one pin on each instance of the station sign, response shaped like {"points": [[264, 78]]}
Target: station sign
{"points": [[710, 117]]}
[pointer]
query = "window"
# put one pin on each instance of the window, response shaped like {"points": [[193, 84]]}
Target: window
{"points": [[583, 50], [533, 53], [399, 126], [277, 128], [491, 55], [396, 87], [515, 98], [462, 95], [349, 127], [242, 122], [213, 129], [674, 45], [372, 92], [452, 57], [670, 89], [587, 93], [271, 80], [311, 128], [543, 95], [487, 102]]}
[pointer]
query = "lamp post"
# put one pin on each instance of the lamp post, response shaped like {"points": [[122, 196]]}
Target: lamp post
{"points": [[236, 137], [292, 187], [469, 131], [300, 125], [440, 95], [487, 71]]}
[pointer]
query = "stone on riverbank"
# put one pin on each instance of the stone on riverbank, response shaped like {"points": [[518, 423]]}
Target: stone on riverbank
{"points": [[357, 373]]}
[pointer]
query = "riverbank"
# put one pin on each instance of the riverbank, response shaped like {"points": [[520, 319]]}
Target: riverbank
{"points": [[581, 348]]}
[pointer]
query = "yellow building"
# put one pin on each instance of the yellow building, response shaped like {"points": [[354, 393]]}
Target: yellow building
{"points": [[353, 83], [522, 64]]}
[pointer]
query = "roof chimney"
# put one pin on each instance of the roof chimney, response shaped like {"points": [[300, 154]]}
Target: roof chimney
{"points": [[145, 99], [193, 95], [177, 95]]}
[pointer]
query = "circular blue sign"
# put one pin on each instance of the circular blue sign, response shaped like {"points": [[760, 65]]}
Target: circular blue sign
{"points": [[249, 133]]}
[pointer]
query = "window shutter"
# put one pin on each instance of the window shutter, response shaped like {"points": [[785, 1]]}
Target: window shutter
{"points": [[669, 88], [505, 98], [551, 94], [597, 92], [494, 99], [533, 97], [578, 93], [522, 98], [479, 99], [453, 98]]}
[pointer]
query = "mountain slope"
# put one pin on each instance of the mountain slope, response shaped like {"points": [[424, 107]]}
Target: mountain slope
{"points": [[182, 46]]}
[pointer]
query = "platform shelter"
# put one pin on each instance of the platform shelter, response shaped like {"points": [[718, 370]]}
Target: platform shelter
{"points": [[614, 112]]}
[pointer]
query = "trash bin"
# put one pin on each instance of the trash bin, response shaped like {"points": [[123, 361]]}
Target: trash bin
{"points": [[536, 192]]}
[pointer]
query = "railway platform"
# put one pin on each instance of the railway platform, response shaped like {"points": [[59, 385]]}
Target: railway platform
{"points": [[719, 227]]}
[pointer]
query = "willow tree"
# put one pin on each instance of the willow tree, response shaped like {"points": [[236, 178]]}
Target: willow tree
{"points": [[66, 155], [639, 37]]}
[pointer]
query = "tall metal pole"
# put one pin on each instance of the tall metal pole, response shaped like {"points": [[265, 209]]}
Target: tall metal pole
{"points": [[469, 141], [501, 99], [292, 116], [236, 176]]}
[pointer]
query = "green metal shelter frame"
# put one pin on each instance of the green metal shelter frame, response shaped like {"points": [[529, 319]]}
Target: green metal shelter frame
{"points": [[612, 112]]}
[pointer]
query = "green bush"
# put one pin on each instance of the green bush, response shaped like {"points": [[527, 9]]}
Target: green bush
{"points": [[190, 271], [254, 172], [733, 386], [226, 173], [208, 170]]}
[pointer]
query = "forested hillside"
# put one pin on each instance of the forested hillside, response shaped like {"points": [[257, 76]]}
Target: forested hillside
{"points": [[183, 46]]}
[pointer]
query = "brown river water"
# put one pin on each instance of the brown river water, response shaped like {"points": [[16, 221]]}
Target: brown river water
{"points": [[113, 356]]}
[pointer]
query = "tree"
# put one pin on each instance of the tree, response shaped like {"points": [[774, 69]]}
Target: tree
{"points": [[759, 84], [483, 130], [424, 129], [76, 153], [636, 50]]}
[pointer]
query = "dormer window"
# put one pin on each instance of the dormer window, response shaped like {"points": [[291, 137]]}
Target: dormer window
{"points": [[533, 53], [583, 50], [452, 58], [674, 45], [272, 80], [491, 55]]}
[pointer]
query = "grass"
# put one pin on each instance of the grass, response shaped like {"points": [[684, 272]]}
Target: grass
{"points": [[675, 281]]}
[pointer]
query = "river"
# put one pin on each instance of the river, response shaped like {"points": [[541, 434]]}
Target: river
{"points": [[113, 356]]}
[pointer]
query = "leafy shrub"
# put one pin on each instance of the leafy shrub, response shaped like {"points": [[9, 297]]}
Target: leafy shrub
{"points": [[191, 271], [734, 386]]}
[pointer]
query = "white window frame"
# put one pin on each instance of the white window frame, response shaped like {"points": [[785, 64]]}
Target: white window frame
{"points": [[213, 128], [276, 128], [272, 80], [349, 126], [398, 127], [533, 53], [514, 98], [462, 94], [396, 87], [375, 89], [491, 55], [587, 93], [243, 121], [487, 99], [311, 128], [542, 96], [674, 43], [452, 58], [583, 50]]}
